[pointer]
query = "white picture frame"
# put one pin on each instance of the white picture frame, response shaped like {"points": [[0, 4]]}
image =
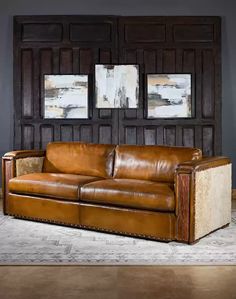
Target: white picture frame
{"points": [[169, 96], [65, 96], [116, 86]]}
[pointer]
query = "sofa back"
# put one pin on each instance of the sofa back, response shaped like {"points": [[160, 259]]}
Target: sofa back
{"points": [[150, 162], [79, 158]]}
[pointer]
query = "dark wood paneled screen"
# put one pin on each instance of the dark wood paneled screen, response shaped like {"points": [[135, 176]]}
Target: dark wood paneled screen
{"points": [[73, 44]]}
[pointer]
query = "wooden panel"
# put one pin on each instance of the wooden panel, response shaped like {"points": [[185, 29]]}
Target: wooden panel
{"points": [[90, 32], [46, 61], [183, 210], [194, 33], [105, 56], [42, 32], [150, 61], [170, 135], [74, 44], [169, 61], [189, 61], [188, 137], [47, 135], [56, 60], [66, 61], [160, 135], [140, 33], [28, 137], [86, 59], [105, 113], [150, 136], [27, 81], [207, 84], [105, 134], [130, 114], [86, 133], [208, 141], [66, 133], [179, 52], [131, 56], [130, 135], [76, 133], [75, 61]]}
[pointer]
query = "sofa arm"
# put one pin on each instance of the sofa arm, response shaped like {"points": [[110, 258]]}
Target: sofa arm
{"points": [[24, 154], [17, 163], [203, 197], [25, 161]]}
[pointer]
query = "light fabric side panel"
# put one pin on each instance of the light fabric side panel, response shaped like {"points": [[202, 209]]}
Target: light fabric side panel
{"points": [[29, 165], [212, 199]]}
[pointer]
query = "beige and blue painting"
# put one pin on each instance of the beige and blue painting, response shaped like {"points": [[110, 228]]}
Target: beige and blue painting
{"points": [[117, 86], [65, 96], [169, 95]]}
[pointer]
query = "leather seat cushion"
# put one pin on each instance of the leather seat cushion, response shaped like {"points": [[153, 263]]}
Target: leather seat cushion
{"points": [[79, 158], [130, 193], [151, 162], [54, 185]]}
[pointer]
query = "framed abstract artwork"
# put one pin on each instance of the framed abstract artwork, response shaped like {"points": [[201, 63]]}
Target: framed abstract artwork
{"points": [[169, 96], [116, 86], [65, 96]]}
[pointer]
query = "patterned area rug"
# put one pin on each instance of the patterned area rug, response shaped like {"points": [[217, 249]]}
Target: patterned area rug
{"points": [[26, 242]]}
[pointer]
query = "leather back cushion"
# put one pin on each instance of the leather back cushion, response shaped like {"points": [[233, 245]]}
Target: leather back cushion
{"points": [[80, 158], [155, 163]]}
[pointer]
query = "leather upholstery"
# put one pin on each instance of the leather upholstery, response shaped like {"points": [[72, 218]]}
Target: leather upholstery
{"points": [[24, 153], [128, 193], [54, 185], [152, 225], [79, 158], [204, 163], [162, 208], [154, 163], [44, 209]]}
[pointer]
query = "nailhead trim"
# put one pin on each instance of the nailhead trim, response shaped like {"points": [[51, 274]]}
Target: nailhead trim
{"points": [[92, 228], [123, 233], [43, 220]]}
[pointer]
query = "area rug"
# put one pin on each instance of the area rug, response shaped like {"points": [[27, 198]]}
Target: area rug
{"points": [[31, 243]]}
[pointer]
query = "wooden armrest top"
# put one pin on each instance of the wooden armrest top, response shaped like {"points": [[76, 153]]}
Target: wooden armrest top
{"points": [[204, 163], [24, 154]]}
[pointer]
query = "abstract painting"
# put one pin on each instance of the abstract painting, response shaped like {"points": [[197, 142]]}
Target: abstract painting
{"points": [[65, 96], [169, 95], [116, 86]]}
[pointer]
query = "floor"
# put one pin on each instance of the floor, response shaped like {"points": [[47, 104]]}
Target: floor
{"points": [[117, 282], [165, 282]]}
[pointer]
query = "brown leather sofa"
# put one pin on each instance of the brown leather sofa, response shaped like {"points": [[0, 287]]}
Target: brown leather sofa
{"points": [[155, 192]]}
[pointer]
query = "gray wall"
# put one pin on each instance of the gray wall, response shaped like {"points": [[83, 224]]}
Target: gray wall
{"points": [[226, 9]]}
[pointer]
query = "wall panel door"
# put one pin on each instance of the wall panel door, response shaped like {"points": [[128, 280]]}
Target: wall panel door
{"points": [[74, 44], [60, 45], [174, 45]]}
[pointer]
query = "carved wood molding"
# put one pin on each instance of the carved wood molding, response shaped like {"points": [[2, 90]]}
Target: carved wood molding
{"points": [[234, 194], [8, 172], [183, 207]]}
